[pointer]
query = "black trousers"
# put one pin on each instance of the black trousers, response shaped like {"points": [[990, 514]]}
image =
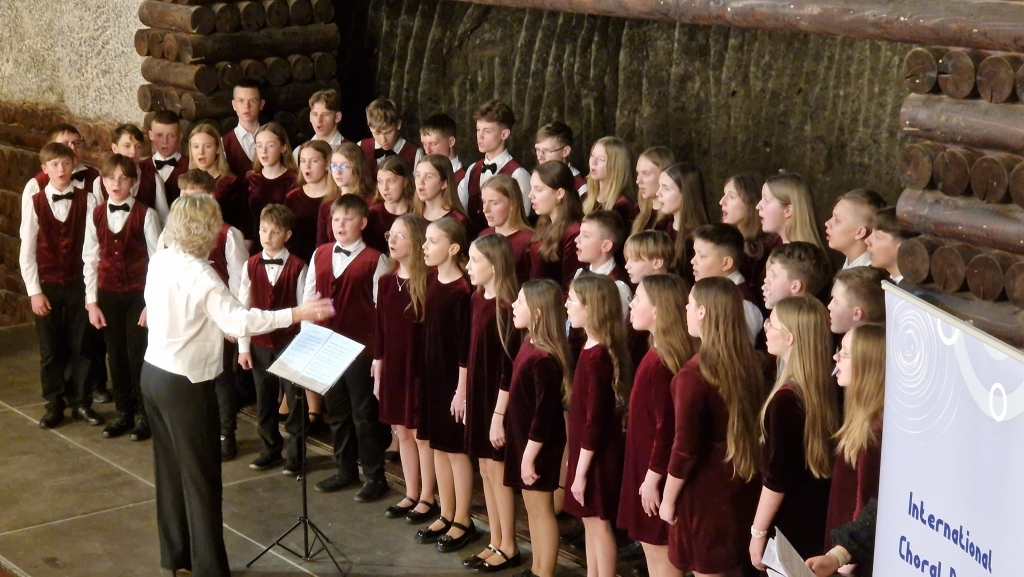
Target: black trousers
{"points": [[186, 456], [61, 336], [356, 430], [95, 349], [227, 391], [267, 387], [126, 346]]}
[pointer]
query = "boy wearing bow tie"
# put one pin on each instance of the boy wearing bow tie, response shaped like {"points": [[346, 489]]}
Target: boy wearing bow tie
{"points": [[120, 236], [494, 122], [385, 123], [81, 175], [166, 162], [324, 116], [52, 235], [273, 279], [127, 140]]}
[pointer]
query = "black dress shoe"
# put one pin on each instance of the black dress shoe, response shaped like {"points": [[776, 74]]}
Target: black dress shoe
{"points": [[474, 560], [336, 483], [292, 467], [415, 517], [101, 397], [141, 432], [121, 424], [264, 462], [398, 510], [228, 447], [507, 562], [372, 491], [88, 416], [428, 535], [447, 543], [51, 419]]}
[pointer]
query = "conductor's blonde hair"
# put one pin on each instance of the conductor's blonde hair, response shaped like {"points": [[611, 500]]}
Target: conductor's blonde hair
{"points": [[193, 224]]}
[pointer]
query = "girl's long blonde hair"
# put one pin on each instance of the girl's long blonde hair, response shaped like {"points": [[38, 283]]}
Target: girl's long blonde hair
{"points": [[808, 371], [662, 158], [603, 194], [449, 194], [456, 234], [508, 187], [600, 296], [211, 131], [286, 148], [547, 331], [324, 150], [668, 294], [353, 155], [865, 397], [790, 189], [729, 364], [417, 227], [498, 251], [395, 165]]}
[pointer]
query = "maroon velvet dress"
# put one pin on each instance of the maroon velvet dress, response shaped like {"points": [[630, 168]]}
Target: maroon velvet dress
{"points": [[534, 413], [378, 222], [753, 268], [715, 509], [397, 348], [626, 209], [306, 209], [445, 350], [563, 268], [648, 446], [489, 370], [801, 516], [232, 196], [461, 218], [264, 191], [520, 241], [853, 488], [595, 426]]}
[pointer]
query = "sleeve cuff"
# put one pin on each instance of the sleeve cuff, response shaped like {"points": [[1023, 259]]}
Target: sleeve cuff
{"points": [[282, 318]]}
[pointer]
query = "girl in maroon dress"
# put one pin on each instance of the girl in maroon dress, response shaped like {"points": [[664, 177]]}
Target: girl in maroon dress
{"points": [[493, 343], [600, 392], [401, 299], [553, 247], [739, 201], [659, 304], [206, 153], [860, 365], [436, 195], [534, 423], [395, 191], [352, 175], [681, 194], [314, 188], [649, 166], [786, 208], [797, 424], [502, 200], [443, 382], [273, 174], [710, 493], [610, 181]]}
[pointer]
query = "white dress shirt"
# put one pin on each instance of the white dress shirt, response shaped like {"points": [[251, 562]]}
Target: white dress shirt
{"points": [[166, 171], [334, 141], [896, 279], [247, 140], [755, 321], [521, 175], [189, 311], [234, 254], [862, 260], [115, 222], [625, 295], [159, 194], [29, 232], [273, 273], [339, 262]]}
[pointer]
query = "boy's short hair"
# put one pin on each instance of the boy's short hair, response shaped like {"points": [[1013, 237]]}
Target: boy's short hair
{"points": [[382, 113], [54, 150], [439, 124], [863, 286], [352, 202], [195, 178], [726, 238], [250, 84], [496, 111], [885, 221], [557, 130], [129, 129], [803, 261], [165, 117], [650, 245], [611, 225], [867, 200], [278, 215], [330, 98], [58, 129], [114, 161]]}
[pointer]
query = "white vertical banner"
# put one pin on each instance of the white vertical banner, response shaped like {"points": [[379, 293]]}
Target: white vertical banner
{"points": [[951, 495]]}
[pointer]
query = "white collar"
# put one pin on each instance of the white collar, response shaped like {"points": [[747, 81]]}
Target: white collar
{"points": [[604, 269], [399, 145], [500, 160], [334, 140], [574, 171], [897, 279], [241, 133], [158, 156], [456, 164], [51, 190], [283, 255], [862, 260], [130, 201], [736, 277]]}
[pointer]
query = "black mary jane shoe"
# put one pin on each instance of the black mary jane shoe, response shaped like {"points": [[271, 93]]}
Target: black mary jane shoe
{"points": [[473, 560], [427, 535], [447, 543], [396, 511], [509, 562], [415, 517]]}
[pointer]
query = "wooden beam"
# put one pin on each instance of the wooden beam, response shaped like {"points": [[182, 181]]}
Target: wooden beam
{"points": [[964, 219], [970, 123]]}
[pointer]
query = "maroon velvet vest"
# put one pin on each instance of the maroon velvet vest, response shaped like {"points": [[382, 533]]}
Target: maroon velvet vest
{"points": [[218, 258], [352, 293], [59, 244], [408, 153], [268, 297], [124, 256], [580, 181], [91, 174], [147, 172], [475, 204], [238, 160]]}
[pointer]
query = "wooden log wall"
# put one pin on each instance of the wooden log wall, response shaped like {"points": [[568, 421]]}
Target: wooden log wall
{"points": [[196, 52]]}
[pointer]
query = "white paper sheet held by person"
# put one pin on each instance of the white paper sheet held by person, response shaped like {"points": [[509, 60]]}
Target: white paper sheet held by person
{"points": [[316, 358], [782, 560]]}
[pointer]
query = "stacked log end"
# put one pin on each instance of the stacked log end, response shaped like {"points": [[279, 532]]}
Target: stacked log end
{"points": [[196, 52]]}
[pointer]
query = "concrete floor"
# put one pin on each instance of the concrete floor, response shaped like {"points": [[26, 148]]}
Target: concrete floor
{"points": [[75, 504]]}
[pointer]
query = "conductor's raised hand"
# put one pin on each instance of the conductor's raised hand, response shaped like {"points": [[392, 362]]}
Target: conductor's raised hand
{"points": [[314, 310]]}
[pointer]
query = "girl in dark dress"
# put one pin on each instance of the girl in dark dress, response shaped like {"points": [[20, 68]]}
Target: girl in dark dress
{"points": [[610, 183], [502, 200], [649, 166], [659, 304], [273, 174], [797, 424], [597, 407], [493, 343], [554, 199], [681, 194], [206, 153], [739, 201], [436, 195], [314, 188], [401, 297], [443, 384], [351, 173], [534, 422], [710, 493], [860, 365], [395, 191]]}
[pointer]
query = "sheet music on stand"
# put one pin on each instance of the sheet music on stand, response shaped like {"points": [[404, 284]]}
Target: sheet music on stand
{"points": [[782, 560], [316, 358]]}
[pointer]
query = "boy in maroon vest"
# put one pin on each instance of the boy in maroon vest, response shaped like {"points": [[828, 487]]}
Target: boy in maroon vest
{"points": [[52, 237], [347, 272], [324, 116], [166, 162], [718, 251], [437, 134], [385, 123], [240, 143], [600, 239], [554, 143], [127, 140], [494, 122], [271, 280], [120, 236]]}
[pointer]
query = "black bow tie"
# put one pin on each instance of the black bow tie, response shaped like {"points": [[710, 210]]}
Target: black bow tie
{"points": [[381, 153], [277, 261], [162, 163], [492, 168], [66, 196], [343, 251], [80, 175], [117, 207]]}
